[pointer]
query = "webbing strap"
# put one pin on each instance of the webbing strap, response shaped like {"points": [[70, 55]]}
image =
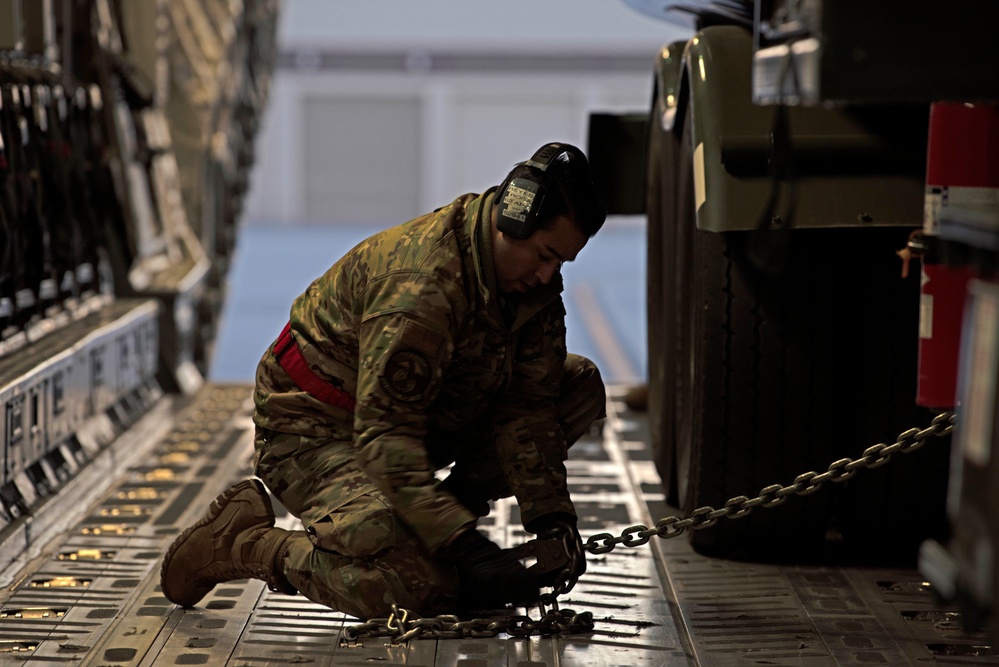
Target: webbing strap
{"points": [[288, 354]]}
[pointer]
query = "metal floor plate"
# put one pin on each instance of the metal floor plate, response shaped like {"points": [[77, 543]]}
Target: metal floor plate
{"points": [[91, 597]]}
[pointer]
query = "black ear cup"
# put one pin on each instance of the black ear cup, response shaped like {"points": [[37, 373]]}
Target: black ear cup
{"points": [[520, 200]]}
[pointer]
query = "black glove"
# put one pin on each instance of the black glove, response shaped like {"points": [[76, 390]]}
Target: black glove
{"points": [[489, 577], [466, 493], [561, 526]]}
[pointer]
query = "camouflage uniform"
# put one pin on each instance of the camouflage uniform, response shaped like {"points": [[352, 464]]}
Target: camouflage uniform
{"points": [[444, 369]]}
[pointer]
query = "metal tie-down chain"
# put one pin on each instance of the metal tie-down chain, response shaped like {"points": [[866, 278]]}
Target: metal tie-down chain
{"points": [[403, 625]]}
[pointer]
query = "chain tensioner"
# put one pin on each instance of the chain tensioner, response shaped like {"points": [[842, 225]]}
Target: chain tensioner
{"points": [[402, 625]]}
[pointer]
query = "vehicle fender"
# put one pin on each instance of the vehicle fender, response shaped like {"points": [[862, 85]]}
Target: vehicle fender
{"points": [[851, 166], [668, 75]]}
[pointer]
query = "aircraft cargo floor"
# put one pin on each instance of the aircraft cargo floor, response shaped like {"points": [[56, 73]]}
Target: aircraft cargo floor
{"points": [[90, 595]]}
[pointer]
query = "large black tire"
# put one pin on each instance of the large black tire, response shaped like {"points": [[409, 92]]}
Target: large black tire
{"points": [[754, 398], [664, 203], [727, 415], [756, 378]]}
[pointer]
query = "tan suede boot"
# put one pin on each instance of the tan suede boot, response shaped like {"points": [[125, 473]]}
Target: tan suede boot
{"points": [[235, 540]]}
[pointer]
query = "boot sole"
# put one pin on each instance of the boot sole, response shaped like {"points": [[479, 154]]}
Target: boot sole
{"points": [[213, 513]]}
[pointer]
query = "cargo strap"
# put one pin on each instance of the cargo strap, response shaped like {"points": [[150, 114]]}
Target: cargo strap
{"points": [[288, 354]]}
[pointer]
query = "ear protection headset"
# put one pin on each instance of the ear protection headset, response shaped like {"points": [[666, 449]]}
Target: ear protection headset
{"points": [[520, 201]]}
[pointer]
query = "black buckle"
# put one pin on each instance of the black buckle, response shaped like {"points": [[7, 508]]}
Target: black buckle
{"points": [[550, 556]]}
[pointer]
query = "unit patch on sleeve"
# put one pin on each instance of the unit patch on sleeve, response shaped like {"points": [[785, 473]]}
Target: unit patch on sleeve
{"points": [[406, 376]]}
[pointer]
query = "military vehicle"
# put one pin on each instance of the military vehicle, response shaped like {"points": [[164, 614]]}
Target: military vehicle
{"points": [[821, 191]]}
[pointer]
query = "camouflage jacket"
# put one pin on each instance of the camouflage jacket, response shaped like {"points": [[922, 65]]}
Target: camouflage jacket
{"points": [[410, 323]]}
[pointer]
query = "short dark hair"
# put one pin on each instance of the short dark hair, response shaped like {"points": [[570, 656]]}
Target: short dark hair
{"points": [[570, 192]]}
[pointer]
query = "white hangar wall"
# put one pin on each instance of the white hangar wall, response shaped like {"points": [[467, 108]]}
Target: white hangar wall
{"points": [[381, 110]]}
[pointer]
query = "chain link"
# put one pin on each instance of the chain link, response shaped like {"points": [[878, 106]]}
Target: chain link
{"points": [[567, 577], [402, 625], [775, 494]]}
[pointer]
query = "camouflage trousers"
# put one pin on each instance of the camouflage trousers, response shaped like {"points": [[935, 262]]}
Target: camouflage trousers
{"points": [[355, 554]]}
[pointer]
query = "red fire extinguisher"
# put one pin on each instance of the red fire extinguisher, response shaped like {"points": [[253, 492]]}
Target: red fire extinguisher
{"points": [[962, 180]]}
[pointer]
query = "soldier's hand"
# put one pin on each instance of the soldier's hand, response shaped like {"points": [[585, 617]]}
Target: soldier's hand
{"points": [[488, 576]]}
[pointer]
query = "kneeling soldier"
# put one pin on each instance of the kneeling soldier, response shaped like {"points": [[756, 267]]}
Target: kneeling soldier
{"points": [[437, 342]]}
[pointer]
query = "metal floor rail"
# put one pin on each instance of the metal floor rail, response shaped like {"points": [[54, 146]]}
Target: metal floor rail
{"points": [[91, 595]]}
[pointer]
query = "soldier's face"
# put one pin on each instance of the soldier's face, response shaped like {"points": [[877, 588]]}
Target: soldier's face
{"points": [[524, 264]]}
